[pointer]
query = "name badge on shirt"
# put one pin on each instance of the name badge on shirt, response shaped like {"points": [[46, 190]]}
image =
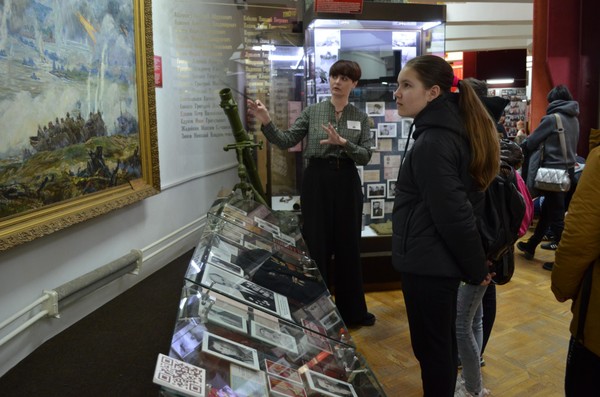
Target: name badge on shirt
{"points": [[353, 125]]}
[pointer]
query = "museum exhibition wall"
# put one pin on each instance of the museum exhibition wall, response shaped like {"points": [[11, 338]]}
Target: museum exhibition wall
{"points": [[162, 226]]}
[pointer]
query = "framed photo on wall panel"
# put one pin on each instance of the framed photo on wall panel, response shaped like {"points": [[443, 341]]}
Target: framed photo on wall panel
{"points": [[391, 187], [376, 190], [377, 208], [387, 130], [375, 108], [374, 138]]}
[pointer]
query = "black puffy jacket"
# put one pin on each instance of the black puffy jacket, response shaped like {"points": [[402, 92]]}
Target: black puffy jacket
{"points": [[434, 226]]}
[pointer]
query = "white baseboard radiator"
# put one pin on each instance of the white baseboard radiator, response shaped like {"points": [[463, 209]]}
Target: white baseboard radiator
{"points": [[51, 300]]}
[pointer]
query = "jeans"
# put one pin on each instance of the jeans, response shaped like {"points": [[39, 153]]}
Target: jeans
{"points": [[489, 313], [469, 333]]}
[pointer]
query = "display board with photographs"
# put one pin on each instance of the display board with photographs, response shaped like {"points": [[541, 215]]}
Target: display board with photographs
{"points": [[391, 133], [379, 176], [381, 53], [515, 111]]}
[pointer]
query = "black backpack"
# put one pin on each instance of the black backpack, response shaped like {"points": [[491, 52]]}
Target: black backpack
{"points": [[499, 225]]}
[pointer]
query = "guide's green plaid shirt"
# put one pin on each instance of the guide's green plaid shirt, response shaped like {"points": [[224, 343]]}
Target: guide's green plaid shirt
{"points": [[310, 122]]}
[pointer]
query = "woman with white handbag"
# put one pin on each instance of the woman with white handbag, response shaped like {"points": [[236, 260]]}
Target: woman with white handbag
{"points": [[556, 139]]}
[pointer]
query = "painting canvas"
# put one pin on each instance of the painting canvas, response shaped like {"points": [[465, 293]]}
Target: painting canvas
{"points": [[77, 115]]}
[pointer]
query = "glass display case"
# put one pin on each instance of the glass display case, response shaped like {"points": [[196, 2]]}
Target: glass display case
{"points": [[255, 315], [381, 40]]}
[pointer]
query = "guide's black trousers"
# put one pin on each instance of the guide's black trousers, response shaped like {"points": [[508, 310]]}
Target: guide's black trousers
{"points": [[332, 202]]}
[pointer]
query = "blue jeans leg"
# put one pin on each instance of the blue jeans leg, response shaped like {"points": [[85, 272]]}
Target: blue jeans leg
{"points": [[469, 333]]}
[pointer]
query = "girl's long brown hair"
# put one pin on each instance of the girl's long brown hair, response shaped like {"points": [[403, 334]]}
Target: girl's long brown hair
{"points": [[481, 131]]}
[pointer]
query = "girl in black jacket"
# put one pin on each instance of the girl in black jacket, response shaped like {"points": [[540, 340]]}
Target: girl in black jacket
{"points": [[439, 191]]}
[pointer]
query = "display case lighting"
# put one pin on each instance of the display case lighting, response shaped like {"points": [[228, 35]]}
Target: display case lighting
{"points": [[264, 47], [290, 58], [429, 25]]}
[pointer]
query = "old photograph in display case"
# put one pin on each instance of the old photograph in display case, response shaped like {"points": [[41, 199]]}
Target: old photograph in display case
{"points": [[283, 388], [329, 386], [282, 371], [273, 337], [228, 317], [230, 350], [253, 294], [232, 325]]}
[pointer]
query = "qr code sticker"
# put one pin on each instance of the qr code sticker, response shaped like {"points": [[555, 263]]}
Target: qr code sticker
{"points": [[180, 376]]}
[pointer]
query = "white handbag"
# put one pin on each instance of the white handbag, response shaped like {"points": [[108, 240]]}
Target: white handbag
{"points": [[555, 179]]}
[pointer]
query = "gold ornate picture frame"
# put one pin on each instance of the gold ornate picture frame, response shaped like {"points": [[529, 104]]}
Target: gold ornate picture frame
{"points": [[102, 153]]}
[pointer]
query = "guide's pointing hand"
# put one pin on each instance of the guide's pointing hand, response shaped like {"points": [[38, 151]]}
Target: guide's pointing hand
{"points": [[259, 110]]}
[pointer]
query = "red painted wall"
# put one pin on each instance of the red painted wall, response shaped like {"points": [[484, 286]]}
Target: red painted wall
{"points": [[485, 65], [565, 51]]}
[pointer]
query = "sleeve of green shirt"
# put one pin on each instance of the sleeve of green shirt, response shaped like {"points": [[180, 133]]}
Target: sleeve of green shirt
{"points": [[310, 123], [289, 138]]}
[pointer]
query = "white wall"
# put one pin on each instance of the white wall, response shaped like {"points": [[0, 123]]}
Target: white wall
{"points": [[489, 25], [48, 262]]}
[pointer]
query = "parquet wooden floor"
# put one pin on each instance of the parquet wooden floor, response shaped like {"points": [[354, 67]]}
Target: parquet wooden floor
{"points": [[524, 357]]}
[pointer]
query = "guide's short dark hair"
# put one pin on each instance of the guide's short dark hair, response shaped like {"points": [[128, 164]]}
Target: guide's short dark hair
{"points": [[559, 92], [349, 69]]}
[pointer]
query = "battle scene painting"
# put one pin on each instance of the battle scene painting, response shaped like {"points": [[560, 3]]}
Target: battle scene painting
{"points": [[78, 134], [68, 101]]}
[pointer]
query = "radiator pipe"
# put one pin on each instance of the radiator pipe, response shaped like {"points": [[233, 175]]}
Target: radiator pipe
{"points": [[95, 279]]}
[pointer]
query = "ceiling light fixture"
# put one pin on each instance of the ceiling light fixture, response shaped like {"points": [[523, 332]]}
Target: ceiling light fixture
{"points": [[500, 81]]}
